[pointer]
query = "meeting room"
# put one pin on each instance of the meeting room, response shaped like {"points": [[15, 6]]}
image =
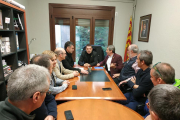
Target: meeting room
{"points": [[89, 60]]}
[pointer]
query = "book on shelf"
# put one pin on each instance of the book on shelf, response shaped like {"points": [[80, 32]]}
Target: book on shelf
{"points": [[1, 21], [20, 23], [5, 45], [17, 42]]}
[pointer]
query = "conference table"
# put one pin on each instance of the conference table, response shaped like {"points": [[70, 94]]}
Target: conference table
{"points": [[91, 89], [93, 109]]}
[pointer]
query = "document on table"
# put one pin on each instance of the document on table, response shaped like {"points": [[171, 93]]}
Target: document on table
{"points": [[98, 67]]}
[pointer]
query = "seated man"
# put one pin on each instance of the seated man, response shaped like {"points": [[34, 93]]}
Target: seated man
{"points": [[48, 109], [26, 89], [141, 84], [112, 61], [161, 73], [59, 70], [130, 67], [68, 63], [164, 103], [88, 57]]}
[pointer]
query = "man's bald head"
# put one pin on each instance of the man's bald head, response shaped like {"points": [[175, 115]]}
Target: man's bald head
{"points": [[134, 48], [59, 51]]}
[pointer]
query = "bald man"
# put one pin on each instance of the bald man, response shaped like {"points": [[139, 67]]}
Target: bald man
{"points": [[130, 67], [59, 70]]}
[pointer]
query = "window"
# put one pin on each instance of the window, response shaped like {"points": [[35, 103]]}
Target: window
{"points": [[82, 25]]}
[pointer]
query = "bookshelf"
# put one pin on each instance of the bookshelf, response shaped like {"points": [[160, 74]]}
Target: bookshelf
{"points": [[22, 54]]}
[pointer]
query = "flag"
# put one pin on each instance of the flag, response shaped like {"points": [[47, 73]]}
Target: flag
{"points": [[128, 41]]}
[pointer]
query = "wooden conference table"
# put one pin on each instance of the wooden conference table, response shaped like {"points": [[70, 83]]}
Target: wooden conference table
{"points": [[91, 90], [91, 109]]}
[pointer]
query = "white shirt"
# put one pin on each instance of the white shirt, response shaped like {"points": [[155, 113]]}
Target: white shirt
{"points": [[108, 62]]}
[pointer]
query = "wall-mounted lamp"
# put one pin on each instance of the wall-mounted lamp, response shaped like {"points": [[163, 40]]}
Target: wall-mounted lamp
{"points": [[33, 39]]}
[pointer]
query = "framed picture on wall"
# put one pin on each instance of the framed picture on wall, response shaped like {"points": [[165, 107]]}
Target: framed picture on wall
{"points": [[144, 28]]}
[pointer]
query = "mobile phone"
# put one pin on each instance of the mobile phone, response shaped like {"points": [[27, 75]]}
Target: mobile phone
{"points": [[107, 88], [74, 87], [68, 115]]}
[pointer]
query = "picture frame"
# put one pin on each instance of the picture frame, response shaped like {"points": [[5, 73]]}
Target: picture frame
{"points": [[144, 28]]}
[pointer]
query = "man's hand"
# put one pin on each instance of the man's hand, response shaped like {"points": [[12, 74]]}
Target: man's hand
{"points": [[66, 82], [84, 72], [113, 65], [116, 75], [122, 82], [98, 64], [87, 65], [133, 79], [75, 73], [49, 117]]}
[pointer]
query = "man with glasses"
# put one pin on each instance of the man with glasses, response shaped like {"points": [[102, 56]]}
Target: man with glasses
{"points": [[164, 103], [26, 89], [60, 71], [141, 84], [162, 73], [130, 67], [112, 62]]}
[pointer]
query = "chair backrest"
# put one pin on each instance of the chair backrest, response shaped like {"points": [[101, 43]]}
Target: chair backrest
{"points": [[99, 50]]}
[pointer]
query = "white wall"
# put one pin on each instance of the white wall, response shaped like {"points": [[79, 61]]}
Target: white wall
{"points": [[39, 22], [164, 39]]}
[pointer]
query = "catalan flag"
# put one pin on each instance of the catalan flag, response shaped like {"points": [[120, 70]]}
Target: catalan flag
{"points": [[128, 41]]}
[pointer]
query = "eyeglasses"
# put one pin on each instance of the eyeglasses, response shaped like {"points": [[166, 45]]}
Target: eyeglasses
{"points": [[63, 53], [47, 93], [147, 104], [157, 69]]}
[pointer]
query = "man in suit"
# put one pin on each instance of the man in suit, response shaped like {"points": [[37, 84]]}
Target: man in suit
{"points": [[68, 63], [60, 71], [88, 57], [141, 84], [144, 31], [26, 89], [164, 103], [130, 67], [112, 62]]}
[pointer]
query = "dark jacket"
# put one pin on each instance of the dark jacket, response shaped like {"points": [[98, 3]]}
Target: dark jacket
{"points": [[48, 107], [127, 71], [116, 59], [84, 58], [11, 112], [145, 85], [68, 63]]}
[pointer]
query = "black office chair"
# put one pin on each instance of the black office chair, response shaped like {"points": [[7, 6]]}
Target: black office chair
{"points": [[99, 50]]}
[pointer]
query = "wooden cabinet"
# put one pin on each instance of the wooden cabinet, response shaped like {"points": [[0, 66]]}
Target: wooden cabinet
{"points": [[22, 54]]}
